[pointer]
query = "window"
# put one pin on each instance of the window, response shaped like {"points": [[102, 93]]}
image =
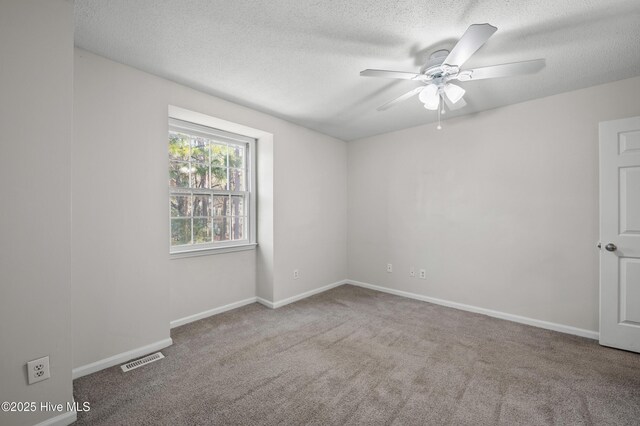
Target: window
{"points": [[211, 188]]}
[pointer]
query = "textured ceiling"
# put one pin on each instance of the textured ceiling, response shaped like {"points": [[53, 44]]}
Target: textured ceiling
{"points": [[300, 59]]}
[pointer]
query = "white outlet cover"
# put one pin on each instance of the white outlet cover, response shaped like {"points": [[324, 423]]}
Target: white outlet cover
{"points": [[412, 272], [296, 274], [389, 267], [423, 274], [38, 370]]}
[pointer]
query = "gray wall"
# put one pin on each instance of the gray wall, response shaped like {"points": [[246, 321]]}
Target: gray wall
{"points": [[36, 81], [500, 207]]}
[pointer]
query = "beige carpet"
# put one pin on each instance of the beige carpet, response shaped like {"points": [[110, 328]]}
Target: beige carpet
{"points": [[355, 356]]}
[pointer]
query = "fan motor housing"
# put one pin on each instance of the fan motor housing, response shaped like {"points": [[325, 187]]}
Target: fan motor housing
{"points": [[436, 59]]}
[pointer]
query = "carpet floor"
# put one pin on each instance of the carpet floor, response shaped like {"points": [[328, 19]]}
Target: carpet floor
{"points": [[356, 356]]}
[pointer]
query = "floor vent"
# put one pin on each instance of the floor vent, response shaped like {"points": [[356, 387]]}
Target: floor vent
{"points": [[142, 361]]}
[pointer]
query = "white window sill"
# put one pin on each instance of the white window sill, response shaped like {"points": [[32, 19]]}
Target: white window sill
{"points": [[212, 251]]}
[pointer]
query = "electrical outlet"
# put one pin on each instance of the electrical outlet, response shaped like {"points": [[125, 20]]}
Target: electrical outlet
{"points": [[412, 272], [423, 274], [38, 370], [389, 267], [296, 274]]}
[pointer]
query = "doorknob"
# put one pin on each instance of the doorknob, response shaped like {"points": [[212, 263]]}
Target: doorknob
{"points": [[611, 247]]}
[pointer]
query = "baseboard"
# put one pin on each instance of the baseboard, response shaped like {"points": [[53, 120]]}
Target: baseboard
{"points": [[120, 358], [288, 300], [489, 312], [63, 419], [210, 312], [265, 302]]}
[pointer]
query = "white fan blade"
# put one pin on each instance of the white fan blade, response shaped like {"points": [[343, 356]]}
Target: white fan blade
{"points": [[475, 36], [401, 98], [389, 74], [505, 70], [458, 105]]}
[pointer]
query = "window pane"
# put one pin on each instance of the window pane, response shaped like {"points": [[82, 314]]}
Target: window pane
{"points": [[180, 231], [180, 205], [201, 205], [178, 146], [199, 150], [237, 228], [218, 178], [236, 156], [218, 155], [208, 184], [221, 228], [236, 180], [237, 205], [220, 205], [200, 175], [179, 174], [201, 231]]}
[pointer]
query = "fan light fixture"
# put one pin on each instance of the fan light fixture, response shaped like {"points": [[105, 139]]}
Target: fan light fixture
{"points": [[453, 92], [444, 66], [430, 97]]}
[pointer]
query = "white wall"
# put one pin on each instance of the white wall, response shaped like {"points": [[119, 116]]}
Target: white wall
{"points": [[310, 213], [126, 288], [500, 207], [36, 80], [265, 254]]}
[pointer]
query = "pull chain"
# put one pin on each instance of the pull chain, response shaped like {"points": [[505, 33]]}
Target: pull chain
{"points": [[439, 126]]}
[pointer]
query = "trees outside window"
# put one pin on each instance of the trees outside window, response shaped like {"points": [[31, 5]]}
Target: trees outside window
{"points": [[209, 187]]}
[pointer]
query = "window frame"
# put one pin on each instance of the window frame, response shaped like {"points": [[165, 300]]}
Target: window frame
{"points": [[249, 194]]}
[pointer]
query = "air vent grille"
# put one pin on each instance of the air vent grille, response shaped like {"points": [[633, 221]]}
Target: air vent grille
{"points": [[142, 361]]}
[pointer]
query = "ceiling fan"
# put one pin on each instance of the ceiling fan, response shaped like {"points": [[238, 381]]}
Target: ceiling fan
{"points": [[444, 66]]}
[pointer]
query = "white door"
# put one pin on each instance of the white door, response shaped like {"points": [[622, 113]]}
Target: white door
{"points": [[620, 234]]}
